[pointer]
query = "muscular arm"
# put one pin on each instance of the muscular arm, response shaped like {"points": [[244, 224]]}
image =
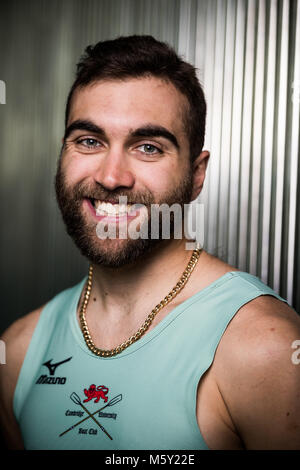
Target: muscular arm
{"points": [[256, 377], [17, 338]]}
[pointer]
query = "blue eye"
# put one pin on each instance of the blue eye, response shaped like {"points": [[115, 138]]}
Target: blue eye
{"points": [[150, 149], [89, 142]]}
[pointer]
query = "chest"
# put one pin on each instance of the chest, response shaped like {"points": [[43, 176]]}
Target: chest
{"points": [[89, 404]]}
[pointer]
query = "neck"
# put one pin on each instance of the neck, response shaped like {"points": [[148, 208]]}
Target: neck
{"points": [[123, 291]]}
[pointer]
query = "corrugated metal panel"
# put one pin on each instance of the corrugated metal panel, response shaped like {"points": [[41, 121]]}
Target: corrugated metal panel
{"points": [[247, 53], [250, 63]]}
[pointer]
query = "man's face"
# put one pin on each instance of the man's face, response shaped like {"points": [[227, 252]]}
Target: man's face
{"points": [[123, 138]]}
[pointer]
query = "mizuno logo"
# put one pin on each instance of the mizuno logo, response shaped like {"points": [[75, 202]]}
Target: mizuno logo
{"points": [[52, 367]]}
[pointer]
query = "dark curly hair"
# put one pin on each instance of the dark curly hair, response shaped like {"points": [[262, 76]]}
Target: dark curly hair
{"points": [[139, 56]]}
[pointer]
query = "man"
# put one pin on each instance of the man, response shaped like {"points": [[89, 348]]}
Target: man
{"points": [[211, 367]]}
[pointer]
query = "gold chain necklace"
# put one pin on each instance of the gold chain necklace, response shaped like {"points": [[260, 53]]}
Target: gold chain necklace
{"points": [[172, 294]]}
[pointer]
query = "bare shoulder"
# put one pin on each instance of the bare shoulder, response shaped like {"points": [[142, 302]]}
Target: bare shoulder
{"points": [[256, 374], [262, 322], [215, 266], [23, 327], [209, 269], [16, 339], [253, 384]]}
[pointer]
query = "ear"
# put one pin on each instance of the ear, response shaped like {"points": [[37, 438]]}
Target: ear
{"points": [[199, 170]]}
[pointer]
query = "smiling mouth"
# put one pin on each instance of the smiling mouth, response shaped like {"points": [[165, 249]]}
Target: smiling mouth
{"points": [[112, 209]]}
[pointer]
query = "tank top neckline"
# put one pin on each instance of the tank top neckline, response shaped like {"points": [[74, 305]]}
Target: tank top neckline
{"points": [[161, 326]]}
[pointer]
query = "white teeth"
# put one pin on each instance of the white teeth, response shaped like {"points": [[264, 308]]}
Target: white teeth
{"points": [[106, 208], [122, 208]]}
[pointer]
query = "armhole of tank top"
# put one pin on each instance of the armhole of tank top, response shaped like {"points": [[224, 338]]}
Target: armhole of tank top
{"points": [[36, 348], [256, 289], [28, 368]]}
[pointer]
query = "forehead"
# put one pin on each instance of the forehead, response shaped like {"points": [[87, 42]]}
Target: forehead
{"points": [[123, 105]]}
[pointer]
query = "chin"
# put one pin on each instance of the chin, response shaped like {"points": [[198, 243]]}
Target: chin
{"points": [[116, 253]]}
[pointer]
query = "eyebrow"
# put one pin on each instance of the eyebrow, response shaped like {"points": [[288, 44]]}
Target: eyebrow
{"points": [[83, 126], [155, 131], [149, 130]]}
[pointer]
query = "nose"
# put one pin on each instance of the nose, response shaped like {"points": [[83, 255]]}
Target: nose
{"points": [[114, 171]]}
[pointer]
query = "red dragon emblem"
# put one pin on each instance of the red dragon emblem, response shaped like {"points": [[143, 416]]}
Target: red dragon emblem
{"points": [[97, 393]]}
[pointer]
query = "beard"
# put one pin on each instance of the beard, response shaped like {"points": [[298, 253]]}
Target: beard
{"points": [[118, 252]]}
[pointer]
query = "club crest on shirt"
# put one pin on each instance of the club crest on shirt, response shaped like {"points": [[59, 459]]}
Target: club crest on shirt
{"points": [[96, 392], [91, 417]]}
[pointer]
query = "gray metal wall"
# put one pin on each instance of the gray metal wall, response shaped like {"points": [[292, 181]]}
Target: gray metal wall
{"points": [[246, 55]]}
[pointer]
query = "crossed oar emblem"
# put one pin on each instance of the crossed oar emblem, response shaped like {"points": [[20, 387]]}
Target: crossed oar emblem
{"points": [[75, 398]]}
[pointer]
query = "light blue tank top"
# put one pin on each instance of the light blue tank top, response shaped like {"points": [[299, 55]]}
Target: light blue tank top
{"points": [[143, 398]]}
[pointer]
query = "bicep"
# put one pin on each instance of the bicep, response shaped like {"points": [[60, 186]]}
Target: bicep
{"points": [[267, 410], [16, 339], [9, 426], [10, 430], [262, 385]]}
